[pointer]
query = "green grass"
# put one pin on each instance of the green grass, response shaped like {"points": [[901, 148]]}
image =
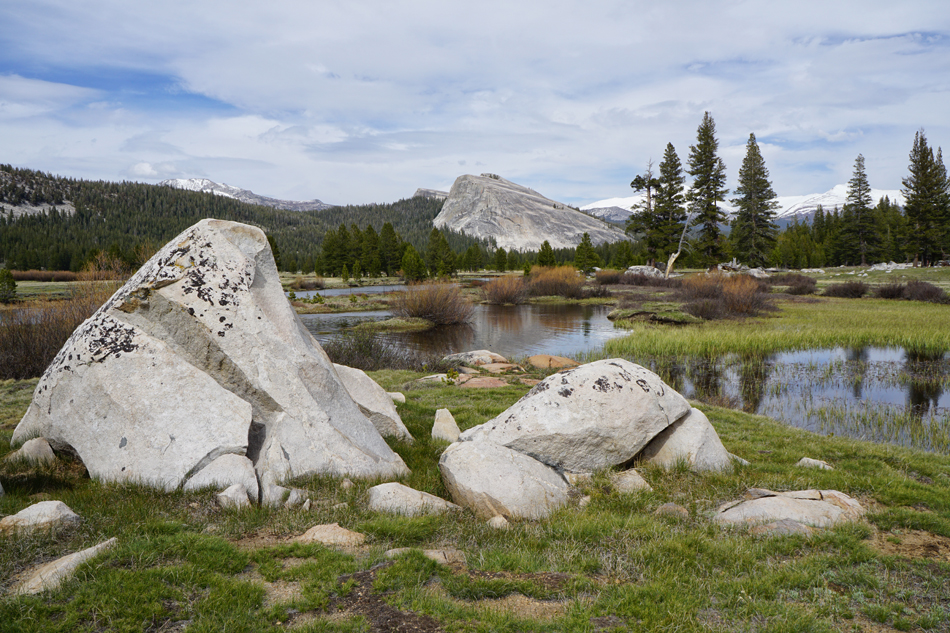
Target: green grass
{"points": [[182, 563], [826, 323]]}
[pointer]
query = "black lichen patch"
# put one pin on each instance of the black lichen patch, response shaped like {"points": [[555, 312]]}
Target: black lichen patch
{"points": [[565, 392]]}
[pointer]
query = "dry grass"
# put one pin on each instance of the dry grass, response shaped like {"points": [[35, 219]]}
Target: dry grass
{"points": [[506, 290], [44, 275], [562, 281], [440, 303], [609, 277], [718, 296]]}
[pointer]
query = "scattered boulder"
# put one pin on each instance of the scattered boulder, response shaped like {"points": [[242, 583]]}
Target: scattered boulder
{"points": [[226, 471], [500, 368], [441, 556], [52, 574], [399, 499], [44, 515], [200, 355], [627, 481], [546, 361], [817, 508], [36, 451], [331, 534], [445, 427], [492, 480], [498, 522], [374, 402], [482, 382], [234, 497], [397, 397], [475, 357], [646, 271], [275, 496], [808, 462], [587, 418], [346, 484], [691, 439]]}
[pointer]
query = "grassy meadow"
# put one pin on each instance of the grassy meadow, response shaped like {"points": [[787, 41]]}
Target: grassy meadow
{"points": [[183, 564]]}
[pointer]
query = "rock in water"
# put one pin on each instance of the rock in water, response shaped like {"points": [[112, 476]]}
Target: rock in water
{"points": [[583, 419], [516, 216], [200, 355]]}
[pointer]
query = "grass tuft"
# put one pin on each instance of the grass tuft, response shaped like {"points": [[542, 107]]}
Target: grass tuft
{"points": [[440, 303]]}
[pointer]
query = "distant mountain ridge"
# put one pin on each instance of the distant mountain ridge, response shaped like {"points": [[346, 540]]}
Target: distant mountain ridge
{"points": [[617, 210], [516, 217], [244, 195]]}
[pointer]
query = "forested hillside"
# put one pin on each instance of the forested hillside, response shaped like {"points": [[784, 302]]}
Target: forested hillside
{"points": [[129, 219]]}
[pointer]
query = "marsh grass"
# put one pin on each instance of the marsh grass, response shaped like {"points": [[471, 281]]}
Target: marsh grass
{"points": [[440, 303], [562, 281], [507, 290], [183, 563]]}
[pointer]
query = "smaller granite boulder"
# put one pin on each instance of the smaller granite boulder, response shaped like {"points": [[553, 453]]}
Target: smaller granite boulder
{"points": [[441, 556], [546, 361], [817, 508], [36, 451], [373, 401], [445, 427], [44, 515], [691, 439], [808, 462], [672, 511], [476, 357], [628, 481], [226, 471], [492, 480], [399, 499], [234, 497]]}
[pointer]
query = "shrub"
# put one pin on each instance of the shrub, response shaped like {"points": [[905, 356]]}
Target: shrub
{"points": [[562, 280], [709, 309], [370, 352], [924, 291], [440, 303], [719, 296], [797, 284], [32, 335], [596, 291], [504, 290], [299, 283], [608, 277], [890, 291], [701, 287], [847, 290], [745, 295]]}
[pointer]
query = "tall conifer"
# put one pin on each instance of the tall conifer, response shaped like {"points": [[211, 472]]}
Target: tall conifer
{"points": [[753, 229], [708, 189]]}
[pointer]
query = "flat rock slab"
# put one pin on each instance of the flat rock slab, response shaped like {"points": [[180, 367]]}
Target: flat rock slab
{"points": [[817, 508], [584, 419], [52, 574], [481, 382], [476, 357], [546, 361], [331, 534], [44, 515], [397, 498], [784, 527], [691, 439], [200, 355], [492, 480], [500, 368]]}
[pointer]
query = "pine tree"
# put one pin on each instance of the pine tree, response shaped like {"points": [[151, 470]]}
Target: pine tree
{"points": [[413, 268], [753, 230], [585, 258], [500, 260], [7, 286], [926, 201], [708, 189], [389, 249], [670, 201], [546, 255], [645, 220], [860, 229]]}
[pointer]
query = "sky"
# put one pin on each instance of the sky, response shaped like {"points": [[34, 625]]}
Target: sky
{"points": [[358, 102]]}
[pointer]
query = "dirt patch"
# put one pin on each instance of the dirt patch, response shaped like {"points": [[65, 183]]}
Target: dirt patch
{"points": [[382, 617], [915, 544]]}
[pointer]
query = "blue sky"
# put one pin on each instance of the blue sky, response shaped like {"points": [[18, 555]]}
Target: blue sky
{"points": [[355, 102]]}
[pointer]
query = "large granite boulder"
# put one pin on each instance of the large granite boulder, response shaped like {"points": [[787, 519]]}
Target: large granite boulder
{"points": [[491, 480], [817, 508], [200, 355], [594, 416]]}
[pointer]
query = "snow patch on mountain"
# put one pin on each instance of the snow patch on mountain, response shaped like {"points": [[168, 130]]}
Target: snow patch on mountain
{"points": [[209, 186]]}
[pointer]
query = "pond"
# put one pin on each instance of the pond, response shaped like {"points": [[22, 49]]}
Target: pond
{"points": [[878, 394], [512, 331]]}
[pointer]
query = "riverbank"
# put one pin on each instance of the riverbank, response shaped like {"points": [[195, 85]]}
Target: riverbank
{"points": [[614, 564]]}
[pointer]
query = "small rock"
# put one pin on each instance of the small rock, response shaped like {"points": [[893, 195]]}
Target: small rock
{"points": [[233, 497], [40, 516], [441, 556], [306, 506], [500, 368], [782, 527], [297, 497], [475, 357], [445, 427], [397, 397], [629, 481], [339, 506], [273, 496], [498, 522], [225, 471], [579, 480], [399, 499], [346, 484], [36, 451], [331, 534], [51, 575], [584, 501], [672, 510], [807, 462], [546, 361]]}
